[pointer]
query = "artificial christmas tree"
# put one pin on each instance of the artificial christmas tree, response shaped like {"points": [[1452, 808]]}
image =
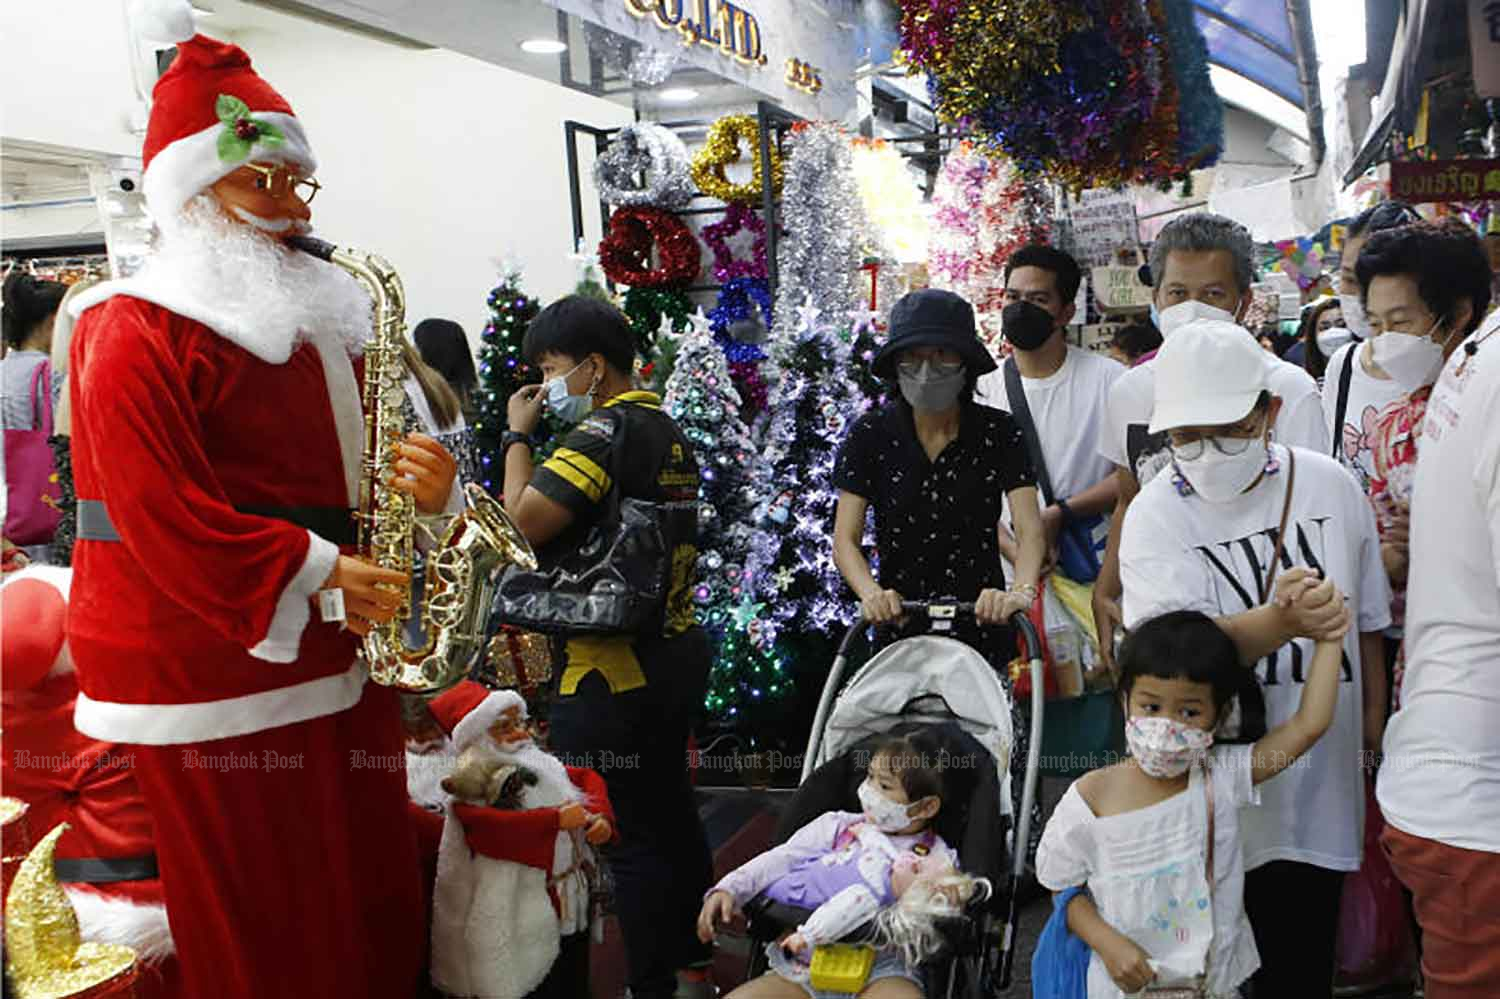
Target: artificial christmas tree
{"points": [[502, 370]]}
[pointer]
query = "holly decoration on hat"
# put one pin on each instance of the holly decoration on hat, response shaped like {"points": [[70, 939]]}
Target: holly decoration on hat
{"points": [[241, 132]]}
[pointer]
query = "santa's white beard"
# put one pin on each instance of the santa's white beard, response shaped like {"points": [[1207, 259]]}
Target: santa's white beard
{"points": [[255, 279], [553, 787]]}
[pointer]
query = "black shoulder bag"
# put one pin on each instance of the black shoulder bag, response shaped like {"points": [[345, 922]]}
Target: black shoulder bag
{"points": [[616, 582]]}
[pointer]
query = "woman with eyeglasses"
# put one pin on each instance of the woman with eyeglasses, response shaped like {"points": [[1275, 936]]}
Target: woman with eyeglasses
{"points": [[1234, 512]]}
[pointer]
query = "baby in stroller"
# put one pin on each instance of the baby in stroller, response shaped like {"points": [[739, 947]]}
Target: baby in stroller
{"points": [[887, 865]]}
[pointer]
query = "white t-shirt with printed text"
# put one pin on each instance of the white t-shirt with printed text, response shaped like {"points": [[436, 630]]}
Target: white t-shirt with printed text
{"points": [[1440, 777], [1127, 443], [1184, 553], [1368, 398]]}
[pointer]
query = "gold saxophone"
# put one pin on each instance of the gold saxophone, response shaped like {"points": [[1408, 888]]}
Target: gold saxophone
{"points": [[471, 548]]}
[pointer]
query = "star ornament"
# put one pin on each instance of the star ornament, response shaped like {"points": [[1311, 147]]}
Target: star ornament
{"points": [[747, 612], [784, 578], [701, 323], [864, 319], [666, 329], [807, 315]]}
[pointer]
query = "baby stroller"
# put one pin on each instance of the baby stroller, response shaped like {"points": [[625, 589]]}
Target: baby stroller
{"points": [[938, 683]]}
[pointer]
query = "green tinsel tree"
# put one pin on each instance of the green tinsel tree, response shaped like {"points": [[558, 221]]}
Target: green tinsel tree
{"points": [[502, 370]]}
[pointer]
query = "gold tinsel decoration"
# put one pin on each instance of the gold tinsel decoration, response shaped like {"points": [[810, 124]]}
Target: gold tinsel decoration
{"points": [[45, 955], [721, 148], [517, 660]]}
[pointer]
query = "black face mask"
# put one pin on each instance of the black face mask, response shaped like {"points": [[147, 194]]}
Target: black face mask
{"points": [[1026, 326]]}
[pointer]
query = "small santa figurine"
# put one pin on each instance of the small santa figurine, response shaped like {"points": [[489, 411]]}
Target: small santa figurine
{"points": [[513, 881], [106, 861]]}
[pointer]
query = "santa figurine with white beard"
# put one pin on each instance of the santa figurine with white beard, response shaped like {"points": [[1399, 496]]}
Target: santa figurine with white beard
{"points": [[512, 900], [217, 438]]}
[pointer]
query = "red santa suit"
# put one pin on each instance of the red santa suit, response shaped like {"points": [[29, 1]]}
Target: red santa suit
{"points": [[510, 884], [106, 860], [202, 438]]}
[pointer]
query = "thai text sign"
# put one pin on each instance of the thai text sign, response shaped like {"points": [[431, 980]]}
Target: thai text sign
{"points": [[1446, 180]]}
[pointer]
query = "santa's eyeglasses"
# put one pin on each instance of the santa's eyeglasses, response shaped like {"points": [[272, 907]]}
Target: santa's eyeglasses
{"points": [[278, 181]]}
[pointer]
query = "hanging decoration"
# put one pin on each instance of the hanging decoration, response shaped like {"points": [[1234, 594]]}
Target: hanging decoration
{"points": [[983, 210], [634, 232], [818, 260], [650, 150], [721, 148], [502, 370], [1089, 92], [650, 310], [892, 200], [640, 64], [739, 218]]}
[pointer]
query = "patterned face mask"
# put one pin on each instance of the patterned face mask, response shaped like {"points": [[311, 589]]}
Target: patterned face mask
{"points": [[1165, 747]]}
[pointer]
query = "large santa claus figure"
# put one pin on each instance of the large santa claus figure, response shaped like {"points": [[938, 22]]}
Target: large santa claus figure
{"points": [[511, 908], [106, 861], [217, 433]]}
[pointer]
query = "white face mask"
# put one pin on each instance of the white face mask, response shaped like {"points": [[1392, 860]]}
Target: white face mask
{"points": [[1174, 317], [1331, 339], [884, 814], [564, 405], [1411, 361], [1219, 477], [1354, 316]]}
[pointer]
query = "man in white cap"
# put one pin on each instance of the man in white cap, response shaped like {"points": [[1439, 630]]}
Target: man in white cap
{"points": [[1207, 534], [217, 437]]}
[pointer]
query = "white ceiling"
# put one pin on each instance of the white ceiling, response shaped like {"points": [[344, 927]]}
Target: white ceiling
{"points": [[38, 173]]}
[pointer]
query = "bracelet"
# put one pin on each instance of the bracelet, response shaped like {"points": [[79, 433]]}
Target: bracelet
{"points": [[1027, 590], [1065, 510]]}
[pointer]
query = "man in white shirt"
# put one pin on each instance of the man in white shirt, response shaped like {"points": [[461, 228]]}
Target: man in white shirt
{"points": [[1439, 782], [1207, 535], [1201, 268], [1063, 389]]}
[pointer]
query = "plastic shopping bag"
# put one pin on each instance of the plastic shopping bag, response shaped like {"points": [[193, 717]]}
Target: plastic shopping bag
{"points": [[1060, 963], [1375, 944]]}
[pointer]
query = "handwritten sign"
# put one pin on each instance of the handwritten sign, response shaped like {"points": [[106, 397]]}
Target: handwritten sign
{"points": [[1103, 222], [1119, 289]]}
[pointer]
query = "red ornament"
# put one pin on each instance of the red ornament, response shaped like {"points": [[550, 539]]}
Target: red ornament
{"points": [[634, 231]]}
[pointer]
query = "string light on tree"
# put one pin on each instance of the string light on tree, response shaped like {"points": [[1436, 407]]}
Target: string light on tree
{"points": [[502, 370]]}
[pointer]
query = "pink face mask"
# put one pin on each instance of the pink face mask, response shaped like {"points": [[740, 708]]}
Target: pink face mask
{"points": [[1165, 747]]}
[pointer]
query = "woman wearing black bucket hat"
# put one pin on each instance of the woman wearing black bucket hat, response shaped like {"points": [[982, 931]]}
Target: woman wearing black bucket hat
{"points": [[934, 465]]}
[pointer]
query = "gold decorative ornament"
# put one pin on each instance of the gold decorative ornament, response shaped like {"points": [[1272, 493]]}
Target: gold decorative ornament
{"points": [[722, 147], [470, 549], [45, 955], [517, 660]]}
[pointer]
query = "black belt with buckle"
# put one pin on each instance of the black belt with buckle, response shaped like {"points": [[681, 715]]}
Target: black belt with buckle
{"points": [[101, 871], [331, 523]]}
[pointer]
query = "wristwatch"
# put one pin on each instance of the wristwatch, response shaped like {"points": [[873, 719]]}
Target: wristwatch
{"points": [[1065, 510], [513, 437]]}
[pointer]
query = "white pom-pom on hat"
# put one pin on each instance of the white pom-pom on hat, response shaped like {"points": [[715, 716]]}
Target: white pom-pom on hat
{"points": [[165, 22]]}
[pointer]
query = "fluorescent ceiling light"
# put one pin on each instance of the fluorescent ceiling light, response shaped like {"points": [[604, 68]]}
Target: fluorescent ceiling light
{"points": [[544, 46], [678, 95]]}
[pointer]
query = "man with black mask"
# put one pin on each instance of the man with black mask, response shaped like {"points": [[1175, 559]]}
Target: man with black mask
{"points": [[1057, 393]]}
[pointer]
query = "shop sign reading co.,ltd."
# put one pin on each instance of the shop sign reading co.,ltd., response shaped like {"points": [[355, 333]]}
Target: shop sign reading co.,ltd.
{"points": [[725, 26]]}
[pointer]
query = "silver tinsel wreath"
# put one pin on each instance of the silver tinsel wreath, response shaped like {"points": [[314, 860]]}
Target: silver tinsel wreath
{"points": [[640, 64], [648, 148]]}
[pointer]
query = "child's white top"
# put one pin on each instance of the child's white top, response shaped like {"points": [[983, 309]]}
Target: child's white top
{"points": [[1145, 872]]}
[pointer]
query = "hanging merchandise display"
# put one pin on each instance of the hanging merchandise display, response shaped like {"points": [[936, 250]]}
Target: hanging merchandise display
{"points": [[740, 217], [642, 65], [502, 370], [818, 260], [723, 147], [892, 200], [652, 310], [649, 150], [740, 319], [1091, 102], [635, 232], [983, 210]]}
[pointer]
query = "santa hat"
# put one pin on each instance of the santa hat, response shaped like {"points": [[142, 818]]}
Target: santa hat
{"points": [[210, 113], [478, 721], [33, 625]]}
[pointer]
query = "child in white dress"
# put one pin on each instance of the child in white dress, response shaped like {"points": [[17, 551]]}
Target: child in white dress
{"points": [[1136, 834]]}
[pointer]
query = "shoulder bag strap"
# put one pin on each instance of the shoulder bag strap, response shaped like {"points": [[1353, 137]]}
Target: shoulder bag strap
{"points": [[1021, 410], [1208, 799], [1286, 512], [42, 375], [1341, 408], [616, 466]]}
